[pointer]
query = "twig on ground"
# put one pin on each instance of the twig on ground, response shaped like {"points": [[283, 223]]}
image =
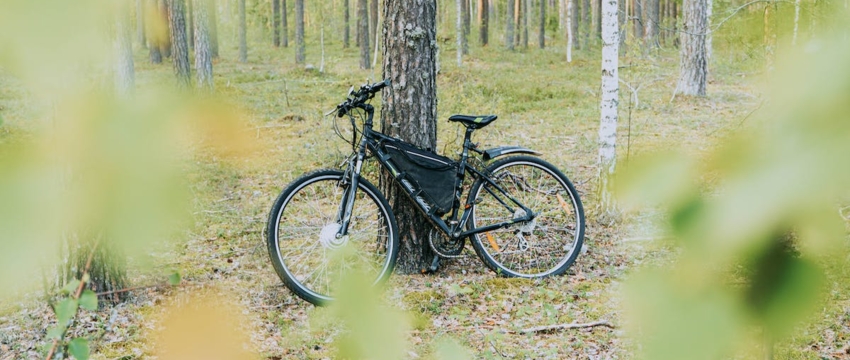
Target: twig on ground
{"points": [[548, 328], [128, 289]]}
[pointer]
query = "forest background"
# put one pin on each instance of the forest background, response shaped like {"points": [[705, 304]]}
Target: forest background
{"points": [[731, 232]]}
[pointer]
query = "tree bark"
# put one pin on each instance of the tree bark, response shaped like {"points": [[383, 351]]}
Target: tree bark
{"points": [[275, 23], [410, 110], [300, 57], [586, 23], [692, 63], [179, 44], [541, 35], [155, 34], [574, 18], [608, 106], [243, 29], [363, 33], [463, 16], [459, 32], [373, 18], [203, 51], [651, 32], [483, 21], [190, 22], [284, 31], [346, 34], [509, 25]]}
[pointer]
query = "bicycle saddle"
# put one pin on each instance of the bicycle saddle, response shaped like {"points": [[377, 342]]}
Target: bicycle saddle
{"points": [[472, 121]]}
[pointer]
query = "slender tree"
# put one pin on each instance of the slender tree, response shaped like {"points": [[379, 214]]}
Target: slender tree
{"points": [[509, 25], [692, 63], [275, 23], [598, 17], [300, 58], [373, 18], [212, 16], [575, 11], [140, 22], [483, 21], [154, 27], [459, 32], [203, 51], [363, 25], [541, 35], [165, 45], [190, 22], [638, 19], [524, 15], [651, 32], [125, 73], [464, 19], [346, 24], [608, 106], [569, 28], [409, 110], [243, 29], [179, 43], [585, 22], [284, 24]]}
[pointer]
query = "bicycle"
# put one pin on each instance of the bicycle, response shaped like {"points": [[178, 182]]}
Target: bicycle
{"points": [[522, 215]]}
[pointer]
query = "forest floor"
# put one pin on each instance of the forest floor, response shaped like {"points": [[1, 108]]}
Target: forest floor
{"points": [[542, 102]]}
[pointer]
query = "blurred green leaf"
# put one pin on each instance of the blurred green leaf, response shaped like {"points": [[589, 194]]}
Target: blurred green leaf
{"points": [[79, 348], [71, 286], [65, 310], [174, 278], [88, 300], [55, 332]]}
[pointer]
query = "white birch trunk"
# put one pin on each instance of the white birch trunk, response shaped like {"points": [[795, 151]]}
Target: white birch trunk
{"points": [[569, 26], [459, 32], [608, 105]]}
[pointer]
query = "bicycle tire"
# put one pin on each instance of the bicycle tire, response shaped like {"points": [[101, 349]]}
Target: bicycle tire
{"points": [[534, 249], [300, 232]]}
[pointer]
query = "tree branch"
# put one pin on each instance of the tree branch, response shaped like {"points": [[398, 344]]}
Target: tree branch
{"points": [[549, 328]]}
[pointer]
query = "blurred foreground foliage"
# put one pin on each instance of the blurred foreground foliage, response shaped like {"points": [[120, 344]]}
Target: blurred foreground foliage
{"points": [[756, 221]]}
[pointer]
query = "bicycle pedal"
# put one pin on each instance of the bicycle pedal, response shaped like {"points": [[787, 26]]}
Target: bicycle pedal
{"points": [[435, 265]]}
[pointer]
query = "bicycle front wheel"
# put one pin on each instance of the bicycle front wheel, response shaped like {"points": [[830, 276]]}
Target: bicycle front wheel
{"points": [[544, 246], [303, 240]]}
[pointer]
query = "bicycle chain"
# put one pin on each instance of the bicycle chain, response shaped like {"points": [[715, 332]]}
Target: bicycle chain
{"points": [[439, 253]]}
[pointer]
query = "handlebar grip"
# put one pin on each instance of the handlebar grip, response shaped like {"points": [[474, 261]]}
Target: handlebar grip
{"points": [[378, 86]]}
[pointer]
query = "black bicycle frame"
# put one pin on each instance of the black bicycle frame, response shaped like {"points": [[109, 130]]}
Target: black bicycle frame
{"points": [[371, 140]]}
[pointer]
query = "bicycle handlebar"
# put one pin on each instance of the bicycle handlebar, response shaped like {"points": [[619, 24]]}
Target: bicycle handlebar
{"points": [[359, 97]]}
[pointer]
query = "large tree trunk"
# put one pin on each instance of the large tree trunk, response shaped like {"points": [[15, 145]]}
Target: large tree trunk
{"points": [[608, 106], [483, 21], [300, 57], [203, 51], [243, 29], [212, 11], [363, 25], [275, 23], [410, 110], [154, 27], [541, 35], [509, 25], [692, 63], [284, 31], [346, 34], [179, 44]]}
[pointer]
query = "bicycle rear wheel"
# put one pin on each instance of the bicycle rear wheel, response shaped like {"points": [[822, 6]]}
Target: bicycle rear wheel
{"points": [[545, 246], [302, 229]]}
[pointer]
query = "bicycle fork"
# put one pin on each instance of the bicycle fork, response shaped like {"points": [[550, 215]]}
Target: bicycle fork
{"points": [[352, 175]]}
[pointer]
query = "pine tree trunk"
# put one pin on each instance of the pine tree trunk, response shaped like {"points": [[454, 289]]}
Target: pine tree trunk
{"points": [[363, 25], [300, 57], [346, 34], [541, 35], [692, 63], [575, 10], [518, 22], [275, 23], [608, 106], [373, 18], [165, 46], [179, 44], [203, 51], [212, 11], [125, 73], [464, 20], [410, 111], [243, 29], [509, 25], [586, 23], [284, 31], [154, 35], [483, 21]]}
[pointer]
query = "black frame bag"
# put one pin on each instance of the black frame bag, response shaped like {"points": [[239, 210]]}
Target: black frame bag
{"points": [[432, 176]]}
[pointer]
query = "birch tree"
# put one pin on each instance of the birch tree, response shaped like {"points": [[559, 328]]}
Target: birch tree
{"points": [[692, 53], [409, 110], [608, 106]]}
